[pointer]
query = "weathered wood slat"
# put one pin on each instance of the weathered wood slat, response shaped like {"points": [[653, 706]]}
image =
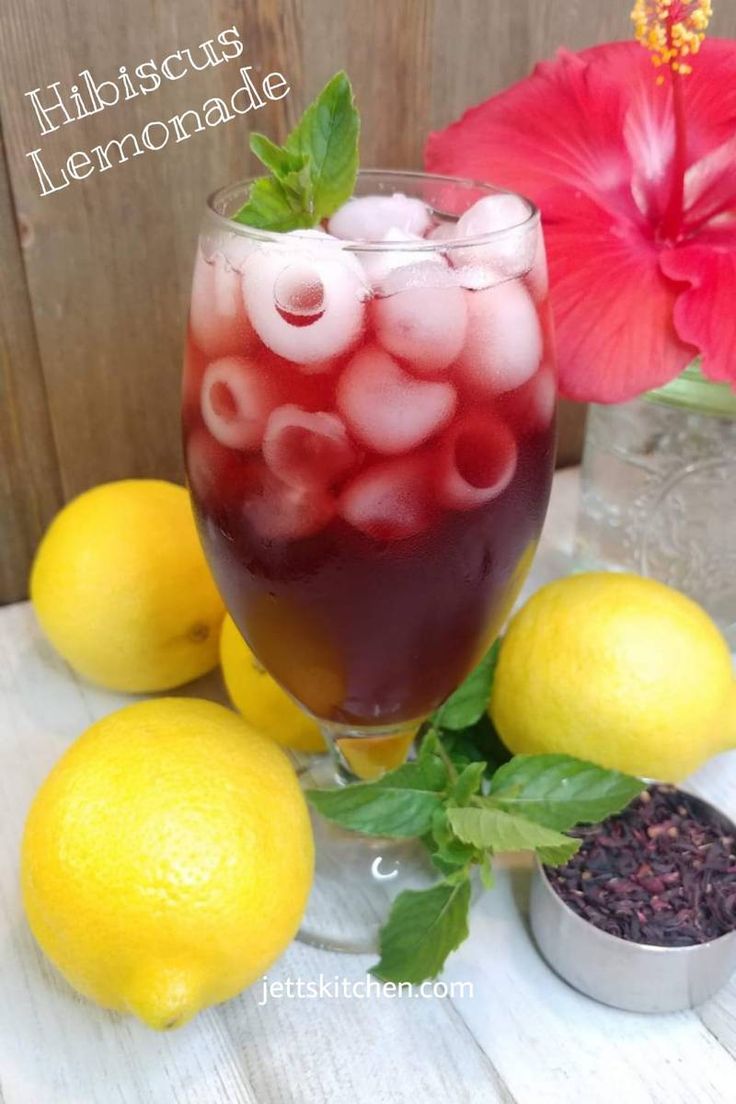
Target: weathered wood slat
{"points": [[389, 58], [479, 47], [30, 487]]}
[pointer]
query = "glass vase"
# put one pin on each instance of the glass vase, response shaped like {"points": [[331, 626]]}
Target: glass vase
{"points": [[659, 491]]}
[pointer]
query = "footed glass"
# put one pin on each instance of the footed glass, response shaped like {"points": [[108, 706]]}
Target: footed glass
{"points": [[369, 439]]}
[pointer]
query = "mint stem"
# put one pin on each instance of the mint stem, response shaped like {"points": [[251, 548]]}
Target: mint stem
{"points": [[451, 769]]}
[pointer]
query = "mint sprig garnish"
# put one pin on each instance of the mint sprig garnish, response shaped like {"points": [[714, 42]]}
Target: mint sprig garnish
{"points": [[314, 172], [424, 926], [465, 812]]}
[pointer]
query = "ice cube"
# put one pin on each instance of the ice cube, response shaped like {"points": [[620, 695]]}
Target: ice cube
{"points": [[215, 474], [217, 316], [477, 461], [280, 511], [442, 232], [236, 248], [500, 211], [503, 344], [419, 275], [478, 277], [380, 264], [531, 407], [369, 218], [422, 324], [391, 500], [510, 253], [238, 396], [387, 409], [305, 304], [317, 243], [307, 450]]}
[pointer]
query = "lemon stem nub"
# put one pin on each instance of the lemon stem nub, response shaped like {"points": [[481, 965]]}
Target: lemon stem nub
{"points": [[163, 996]]}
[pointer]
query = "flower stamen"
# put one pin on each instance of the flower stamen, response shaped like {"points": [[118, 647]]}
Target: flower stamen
{"points": [[672, 30]]}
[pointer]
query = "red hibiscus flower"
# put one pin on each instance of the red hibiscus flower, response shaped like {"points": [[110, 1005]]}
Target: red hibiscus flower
{"points": [[635, 176]]}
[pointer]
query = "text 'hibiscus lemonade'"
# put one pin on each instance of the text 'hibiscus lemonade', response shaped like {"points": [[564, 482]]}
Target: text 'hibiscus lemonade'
{"points": [[369, 435]]}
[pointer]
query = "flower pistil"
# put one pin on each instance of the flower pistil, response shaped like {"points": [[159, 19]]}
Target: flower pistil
{"points": [[673, 30]]}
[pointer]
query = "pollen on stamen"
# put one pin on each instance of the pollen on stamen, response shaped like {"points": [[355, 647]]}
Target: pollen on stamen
{"points": [[671, 30]]}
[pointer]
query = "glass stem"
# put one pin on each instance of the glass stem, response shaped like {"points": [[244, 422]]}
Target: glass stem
{"points": [[362, 756], [336, 740]]}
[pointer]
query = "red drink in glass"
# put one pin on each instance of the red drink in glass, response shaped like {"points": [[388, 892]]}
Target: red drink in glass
{"points": [[369, 438]]}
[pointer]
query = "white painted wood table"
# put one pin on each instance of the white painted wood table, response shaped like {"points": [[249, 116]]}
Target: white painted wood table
{"points": [[523, 1037]]}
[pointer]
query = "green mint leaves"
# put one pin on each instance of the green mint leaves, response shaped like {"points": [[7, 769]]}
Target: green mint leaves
{"points": [[491, 829], [423, 928], [465, 811], [327, 138], [560, 792], [314, 172], [400, 804], [469, 702]]}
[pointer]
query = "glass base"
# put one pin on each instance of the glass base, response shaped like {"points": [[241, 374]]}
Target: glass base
{"points": [[356, 878]]}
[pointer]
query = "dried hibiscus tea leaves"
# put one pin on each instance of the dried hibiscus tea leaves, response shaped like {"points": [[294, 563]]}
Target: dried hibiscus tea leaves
{"points": [[663, 872]]}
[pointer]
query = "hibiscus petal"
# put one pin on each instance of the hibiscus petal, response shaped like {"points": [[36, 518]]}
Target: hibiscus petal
{"points": [[649, 133], [710, 90], [704, 314], [561, 127], [710, 184], [612, 307]]}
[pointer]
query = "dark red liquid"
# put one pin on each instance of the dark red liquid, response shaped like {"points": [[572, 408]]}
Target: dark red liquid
{"points": [[372, 628]]}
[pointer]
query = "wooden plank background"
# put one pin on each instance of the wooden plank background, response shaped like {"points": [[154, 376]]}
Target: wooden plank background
{"points": [[95, 277]]}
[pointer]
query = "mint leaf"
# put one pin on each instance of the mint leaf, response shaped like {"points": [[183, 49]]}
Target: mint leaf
{"points": [[447, 851], [479, 742], [423, 928], [560, 791], [558, 854], [314, 172], [272, 206], [493, 829], [401, 803], [448, 867], [328, 134], [430, 745], [470, 701], [277, 159], [468, 783], [291, 170]]}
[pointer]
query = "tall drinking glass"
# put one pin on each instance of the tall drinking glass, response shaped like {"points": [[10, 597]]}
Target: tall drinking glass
{"points": [[369, 439]]}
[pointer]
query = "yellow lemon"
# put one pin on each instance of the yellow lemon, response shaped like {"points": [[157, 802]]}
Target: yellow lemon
{"points": [[121, 588], [617, 669], [167, 859], [260, 699]]}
